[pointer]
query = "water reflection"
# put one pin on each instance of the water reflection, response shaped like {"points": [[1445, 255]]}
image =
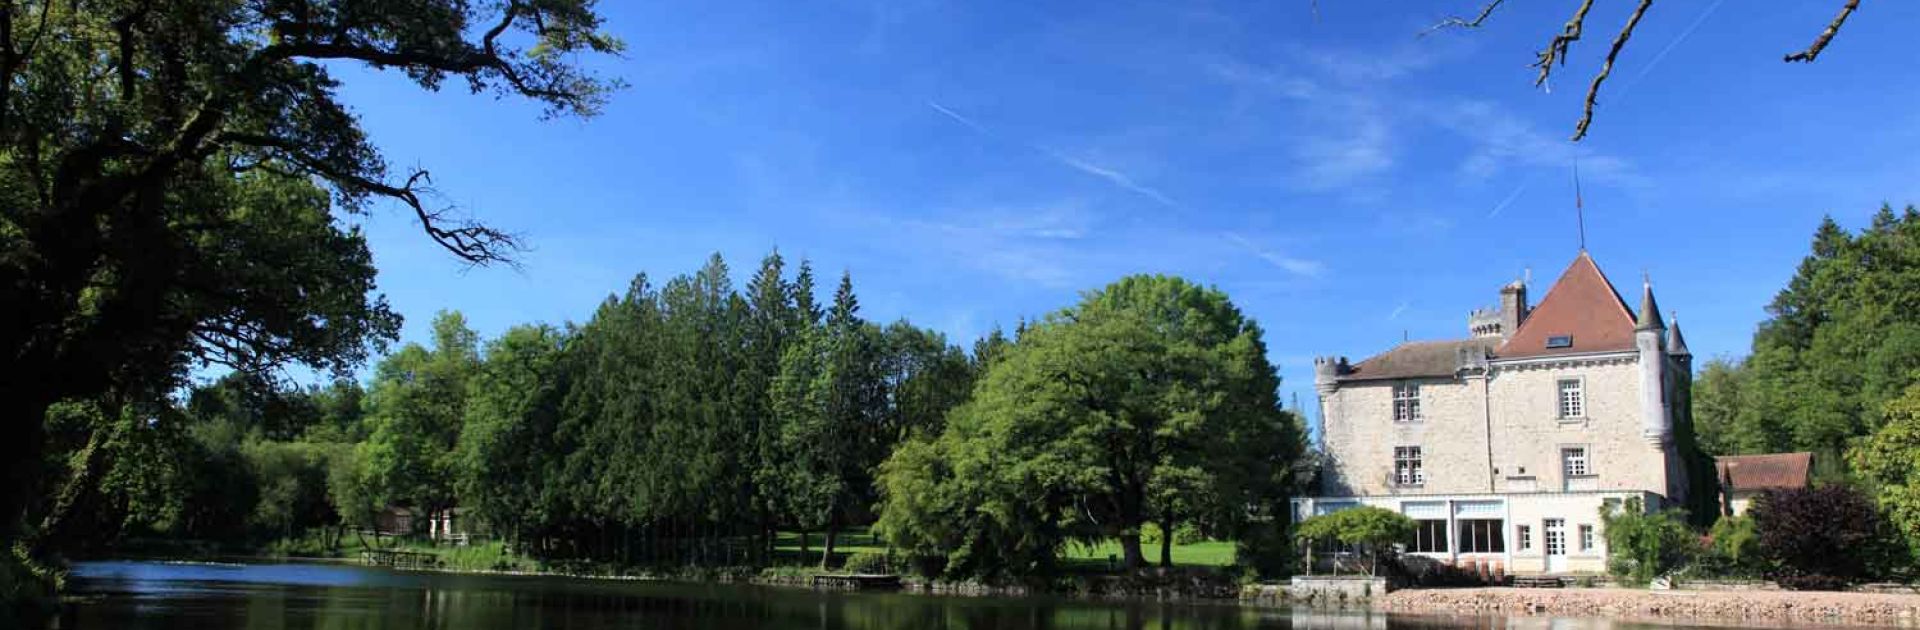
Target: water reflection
{"points": [[146, 596]]}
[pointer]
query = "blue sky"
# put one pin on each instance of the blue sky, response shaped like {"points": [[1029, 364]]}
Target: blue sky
{"points": [[1345, 181]]}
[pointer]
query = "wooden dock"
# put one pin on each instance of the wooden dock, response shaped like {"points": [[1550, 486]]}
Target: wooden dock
{"points": [[400, 559], [856, 582]]}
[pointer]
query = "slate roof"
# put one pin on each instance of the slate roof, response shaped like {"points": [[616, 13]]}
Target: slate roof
{"points": [[1418, 359], [1582, 304], [1676, 343], [1773, 471]]}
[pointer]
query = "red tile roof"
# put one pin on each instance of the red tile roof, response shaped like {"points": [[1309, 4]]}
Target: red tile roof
{"points": [[1581, 304], [1773, 471]]}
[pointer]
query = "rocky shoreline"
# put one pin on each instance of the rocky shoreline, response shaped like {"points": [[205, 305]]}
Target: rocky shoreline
{"points": [[1769, 608]]}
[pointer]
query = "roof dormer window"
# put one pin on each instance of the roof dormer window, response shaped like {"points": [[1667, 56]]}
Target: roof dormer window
{"points": [[1560, 341]]}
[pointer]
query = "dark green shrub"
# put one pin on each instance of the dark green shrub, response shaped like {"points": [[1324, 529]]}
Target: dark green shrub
{"points": [[1817, 538]]}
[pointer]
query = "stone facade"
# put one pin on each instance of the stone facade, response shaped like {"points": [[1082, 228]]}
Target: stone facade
{"points": [[1532, 424]]}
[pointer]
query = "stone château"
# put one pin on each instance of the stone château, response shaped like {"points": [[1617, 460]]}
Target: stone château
{"points": [[1505, 445]]}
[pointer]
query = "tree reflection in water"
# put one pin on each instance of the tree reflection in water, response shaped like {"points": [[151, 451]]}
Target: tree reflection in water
{"points": [[148, 596]]}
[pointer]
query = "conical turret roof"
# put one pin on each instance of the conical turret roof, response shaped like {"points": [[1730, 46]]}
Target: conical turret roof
{"points": [[1677, 344], [1649, 310]]}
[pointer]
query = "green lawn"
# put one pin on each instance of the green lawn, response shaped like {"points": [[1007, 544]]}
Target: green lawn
{"points": [[1211, 553], [1201, 554]]}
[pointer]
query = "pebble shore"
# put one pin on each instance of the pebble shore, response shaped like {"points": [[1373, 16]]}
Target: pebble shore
{"points": [[1770, 608]]}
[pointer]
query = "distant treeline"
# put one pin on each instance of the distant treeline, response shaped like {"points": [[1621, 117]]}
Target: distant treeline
{"points": [[688, 423]]}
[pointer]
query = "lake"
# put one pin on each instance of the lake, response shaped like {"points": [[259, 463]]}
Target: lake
{"points": [[148, 595]]}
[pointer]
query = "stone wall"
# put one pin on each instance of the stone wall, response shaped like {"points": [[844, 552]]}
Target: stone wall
{"points": [[1360, 435], [1529, 434]]}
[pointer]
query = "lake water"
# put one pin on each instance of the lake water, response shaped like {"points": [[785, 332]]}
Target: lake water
{"points": [[145, 595]]}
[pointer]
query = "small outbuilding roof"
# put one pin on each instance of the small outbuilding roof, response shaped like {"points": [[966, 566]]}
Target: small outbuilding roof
{"points": [[1772, 471]]}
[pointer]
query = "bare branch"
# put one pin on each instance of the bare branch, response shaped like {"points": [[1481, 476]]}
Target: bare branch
{"points": [[1557, 49], [470, 241], [1820, 43], [1593, 91], [1455, 21]]}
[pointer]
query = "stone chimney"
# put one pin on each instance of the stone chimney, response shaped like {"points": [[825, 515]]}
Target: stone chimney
{"points": [[1513, 307]]}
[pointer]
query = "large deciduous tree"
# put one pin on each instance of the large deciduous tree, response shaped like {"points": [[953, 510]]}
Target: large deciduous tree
{"points": [[1150, 401], [1885, 461], [176, 179], [416, 410]]}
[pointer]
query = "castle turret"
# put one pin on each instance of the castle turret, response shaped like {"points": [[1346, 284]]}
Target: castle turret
{"points": [[1503, 320], [1649, 338], [1326, 374]]}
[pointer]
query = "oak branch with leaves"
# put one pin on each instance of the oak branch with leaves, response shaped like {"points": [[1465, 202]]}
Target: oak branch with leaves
{"points": [[177, 181]]}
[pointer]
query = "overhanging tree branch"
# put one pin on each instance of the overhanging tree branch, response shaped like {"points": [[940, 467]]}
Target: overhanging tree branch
{"points": [[1557, 48], [470, 241], [1593, 91], [1456, 21], [1820, 43]]}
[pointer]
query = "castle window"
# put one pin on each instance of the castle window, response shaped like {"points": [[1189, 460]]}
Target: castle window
{"points": [[1525, 537], [1587, 539], [1482, 535], [1574, 461], [1560, 341], [1429, 536], [1406, 466], [1573, 398], [1406, 402]]}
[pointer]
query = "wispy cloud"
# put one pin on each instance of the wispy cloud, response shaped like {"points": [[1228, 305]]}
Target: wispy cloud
{"points": [[1117, 178], [1112, 176], [1297, 266], [957, 117], [1502, 206], [1500, 139], [1397, 310], [1345, 137]]}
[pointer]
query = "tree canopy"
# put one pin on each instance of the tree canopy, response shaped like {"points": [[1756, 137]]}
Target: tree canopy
{"points": [[1841, 340], [1150, 401], [178, 182]]}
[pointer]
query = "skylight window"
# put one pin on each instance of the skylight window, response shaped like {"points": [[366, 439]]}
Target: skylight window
{"points": [[1560, 341]]}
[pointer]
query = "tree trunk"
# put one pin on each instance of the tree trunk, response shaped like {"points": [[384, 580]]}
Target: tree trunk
{"points": [[1131, 558], [833, 535], [803, 546], [1166, 541], [21, 453]]}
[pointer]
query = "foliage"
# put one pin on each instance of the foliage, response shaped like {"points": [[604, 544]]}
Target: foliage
{"points": [[868, 562], [1150, 401], [1185, 534], [1841, 340], [1733, 550], [1817, 538], [179, 183], [416, 410], [1885, 461], [1644, 545], [1369, 528]]}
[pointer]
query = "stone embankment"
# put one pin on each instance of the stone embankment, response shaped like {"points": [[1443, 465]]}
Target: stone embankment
{"points": [[1768, 608]]}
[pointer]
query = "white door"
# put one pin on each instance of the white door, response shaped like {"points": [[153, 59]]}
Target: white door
{"points": [[1556, 539]]}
